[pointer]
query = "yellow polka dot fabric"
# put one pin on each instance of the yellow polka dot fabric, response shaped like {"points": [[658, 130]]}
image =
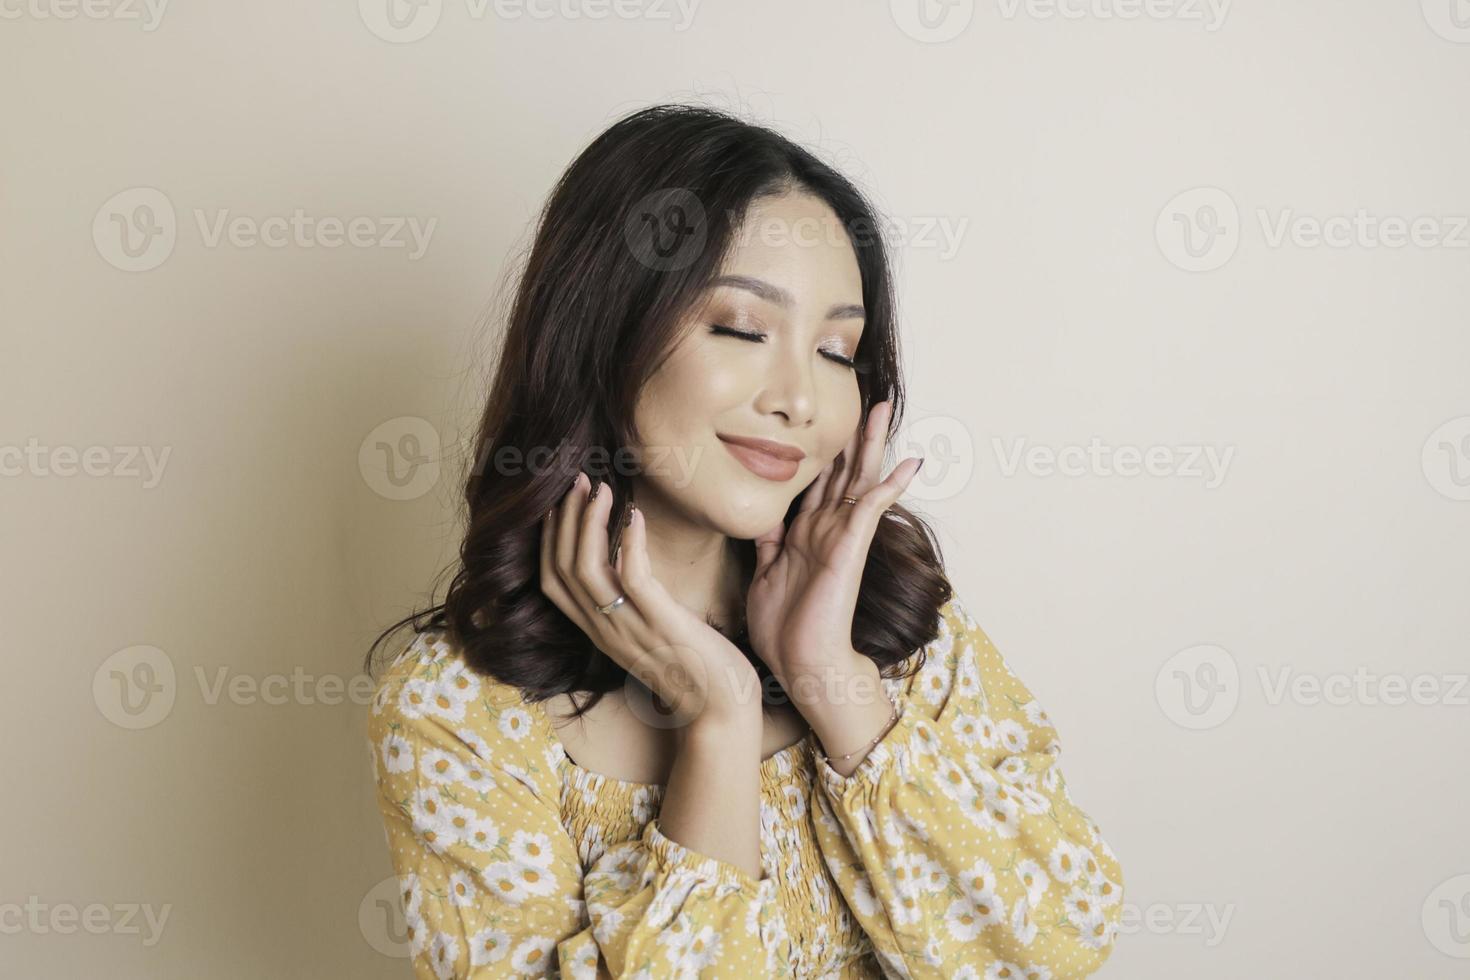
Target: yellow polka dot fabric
{"points": [[954, 850]]}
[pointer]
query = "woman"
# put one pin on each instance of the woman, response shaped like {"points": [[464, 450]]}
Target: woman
{"points": [[798, 755]]}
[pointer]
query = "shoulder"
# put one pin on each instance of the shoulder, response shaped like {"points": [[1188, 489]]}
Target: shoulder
{"points": [[963, 660], [429, 701]]}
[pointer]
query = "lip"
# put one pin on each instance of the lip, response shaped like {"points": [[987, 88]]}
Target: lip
{"points": [[766, 459]]}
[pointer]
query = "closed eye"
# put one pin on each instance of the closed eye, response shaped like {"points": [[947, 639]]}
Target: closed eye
{"points": [[760, 338]]}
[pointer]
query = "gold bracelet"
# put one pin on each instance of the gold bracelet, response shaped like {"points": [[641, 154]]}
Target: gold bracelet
{"points": [[892, 720]]}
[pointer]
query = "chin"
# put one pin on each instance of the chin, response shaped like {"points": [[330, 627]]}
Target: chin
{"points": [[749, 514]]}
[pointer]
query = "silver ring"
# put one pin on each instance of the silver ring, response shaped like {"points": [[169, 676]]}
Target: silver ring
{"points": [[607, 609], [849, 500]]}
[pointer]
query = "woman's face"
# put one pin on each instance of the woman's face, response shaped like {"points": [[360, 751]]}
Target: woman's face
{"points": [[791, 283]]}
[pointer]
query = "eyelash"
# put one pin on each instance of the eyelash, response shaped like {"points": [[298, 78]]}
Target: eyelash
{"points": [[761, 338]]}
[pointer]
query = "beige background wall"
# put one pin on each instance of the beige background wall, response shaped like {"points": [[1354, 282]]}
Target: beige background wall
{"points": [[1089, 210]]}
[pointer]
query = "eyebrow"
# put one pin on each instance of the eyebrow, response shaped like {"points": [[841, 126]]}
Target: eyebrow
{"points": [[775, 294]]}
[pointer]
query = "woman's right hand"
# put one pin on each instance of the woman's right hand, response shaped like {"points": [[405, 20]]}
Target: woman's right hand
{"points": [[699, 674]]}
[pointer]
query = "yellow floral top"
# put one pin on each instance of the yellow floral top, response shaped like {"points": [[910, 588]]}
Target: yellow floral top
{"points": [[954, 849]]}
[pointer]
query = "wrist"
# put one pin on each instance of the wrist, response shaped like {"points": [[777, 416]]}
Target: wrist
{"points": [[821, 690]]}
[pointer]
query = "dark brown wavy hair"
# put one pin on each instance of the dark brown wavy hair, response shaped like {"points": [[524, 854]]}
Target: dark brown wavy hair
{"points": [[628, 241]]}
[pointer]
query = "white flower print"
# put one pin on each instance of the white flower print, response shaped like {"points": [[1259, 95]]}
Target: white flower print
{"points": [[427, 814], [962, 921], [410, 894], [581, 962], [979, 879], [933, 682], [1035, 715], [675, 940], [864, 902], [1023, 926], [475, 741], [531, 849], [704, 948], [1012, 736], [1034, 879], [451, 692], [1001, 970], [515, 723], [966, 728], [1085, 912], [443, 952], [489, 946], [480, 832], [643, 800], [414, 697], [796, 798], [463, 892], [967, 681], [1065, 862], [607, 923], [989, 738], [590, 846], [532, 956], [397, 753], [439, 767]]}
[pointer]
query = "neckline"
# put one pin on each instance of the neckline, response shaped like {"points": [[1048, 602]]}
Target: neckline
{"points": [[770, 767]]}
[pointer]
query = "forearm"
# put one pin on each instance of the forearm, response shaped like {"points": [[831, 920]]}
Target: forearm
{"points": [[712, 801], [846, 707]]}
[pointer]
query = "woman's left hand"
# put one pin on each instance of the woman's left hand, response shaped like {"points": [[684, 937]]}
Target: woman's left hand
{"points": [[802, 596]]}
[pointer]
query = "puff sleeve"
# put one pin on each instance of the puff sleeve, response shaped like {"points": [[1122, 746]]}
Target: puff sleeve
{"points": [[955, 841], [491, 882]]}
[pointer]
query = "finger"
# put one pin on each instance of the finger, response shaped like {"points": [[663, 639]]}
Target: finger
{"points": [[816, 494], [768, 546], [870, 454], [568, 540], [637, 578], [593, 570], [841, 468], [871, 505], [551, 581]]}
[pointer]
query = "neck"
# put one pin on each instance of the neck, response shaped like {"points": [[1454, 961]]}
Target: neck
{"points": [[702, 568]]}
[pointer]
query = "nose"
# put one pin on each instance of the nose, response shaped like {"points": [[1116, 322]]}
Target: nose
{"points": [[790, 391]]}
